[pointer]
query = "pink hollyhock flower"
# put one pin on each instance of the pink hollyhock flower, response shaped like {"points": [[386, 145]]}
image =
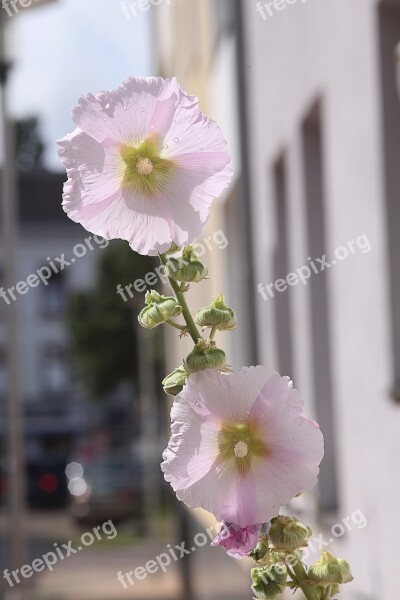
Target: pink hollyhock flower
{"points": [[236, 541], [240, 446], [144, 164]]}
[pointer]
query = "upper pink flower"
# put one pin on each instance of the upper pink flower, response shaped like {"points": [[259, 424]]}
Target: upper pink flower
{"points": [[143, 165], [240, 446]]}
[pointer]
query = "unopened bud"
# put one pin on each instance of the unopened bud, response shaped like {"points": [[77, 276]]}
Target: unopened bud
{"points": [[187, 268], [217, 314], [158, 309], [174, 382], [261, 549], [173, 249], [205, 356], [329, 569], [288, 533], [270, 582]]}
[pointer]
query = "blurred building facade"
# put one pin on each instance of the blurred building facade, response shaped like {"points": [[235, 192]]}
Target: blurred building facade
{"points": [[324, 125], [317, 118], [55, 406]]}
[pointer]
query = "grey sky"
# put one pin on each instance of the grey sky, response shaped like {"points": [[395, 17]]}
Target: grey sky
{"points": [[64, 50]]}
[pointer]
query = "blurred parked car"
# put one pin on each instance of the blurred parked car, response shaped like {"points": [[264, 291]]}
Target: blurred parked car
{"points": [[46, 485], [106, 487]]}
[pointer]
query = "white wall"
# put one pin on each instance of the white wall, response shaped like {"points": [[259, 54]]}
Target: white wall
{"points": [[329, 49]]}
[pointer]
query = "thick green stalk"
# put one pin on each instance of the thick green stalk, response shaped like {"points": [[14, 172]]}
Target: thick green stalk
{"points": [[187, 315], [310, 591]]}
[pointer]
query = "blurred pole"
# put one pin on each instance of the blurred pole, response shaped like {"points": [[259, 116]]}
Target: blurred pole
{"points": [[186, 564], [150, 446], [15, 418]]}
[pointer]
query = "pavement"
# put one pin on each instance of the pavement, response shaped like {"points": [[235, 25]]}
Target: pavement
{"points": [[91, 573]]}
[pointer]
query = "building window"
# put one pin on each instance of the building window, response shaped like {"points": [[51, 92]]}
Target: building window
{"points": [[389, 28], [54, 296], [319, 306], [54, 370], [282, 321], [3, 373]]}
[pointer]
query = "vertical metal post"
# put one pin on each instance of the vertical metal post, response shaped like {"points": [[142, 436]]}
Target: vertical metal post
{"points": [[149, 429], [9, 217]]}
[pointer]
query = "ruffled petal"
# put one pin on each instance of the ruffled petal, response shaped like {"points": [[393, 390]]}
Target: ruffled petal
{"points": [[237, 542], [192, 449], [122, 115], [236, 392], [295, 450]]}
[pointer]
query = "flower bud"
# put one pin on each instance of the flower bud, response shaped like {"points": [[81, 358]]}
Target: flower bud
{"points": [[158, 310], [217, 314], [288, 533], [328, 569], [173, 249], [205, 356], [261, 549], [269, 583], [174, 382], [187, 268]]}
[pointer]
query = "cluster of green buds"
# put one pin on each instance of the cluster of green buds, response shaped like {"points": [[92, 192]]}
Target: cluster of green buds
{"points": [[183, 267], [217, 315], [159, 309], [187, 268], [278, 556]]}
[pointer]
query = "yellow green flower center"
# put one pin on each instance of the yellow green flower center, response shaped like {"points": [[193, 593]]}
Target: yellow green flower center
{"points": [[240, 444], [144, 166], [241, 449], [146, 171]]}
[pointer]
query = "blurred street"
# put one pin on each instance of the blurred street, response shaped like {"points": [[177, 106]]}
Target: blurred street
{"points": [[91, 574]]}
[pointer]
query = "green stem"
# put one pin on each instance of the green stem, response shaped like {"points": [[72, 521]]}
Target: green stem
{"points": [[212, 333], [176, 325], [328, 593], [309, 591], [187, 315]]}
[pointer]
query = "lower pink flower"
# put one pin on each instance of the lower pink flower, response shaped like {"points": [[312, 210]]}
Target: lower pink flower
{"points": [[237, 542], [240, 446]]}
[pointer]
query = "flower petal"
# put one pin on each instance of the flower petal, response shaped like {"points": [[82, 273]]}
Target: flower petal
{"points": [[295, 450], [123, 115], [221, 491], [236, 392]]}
